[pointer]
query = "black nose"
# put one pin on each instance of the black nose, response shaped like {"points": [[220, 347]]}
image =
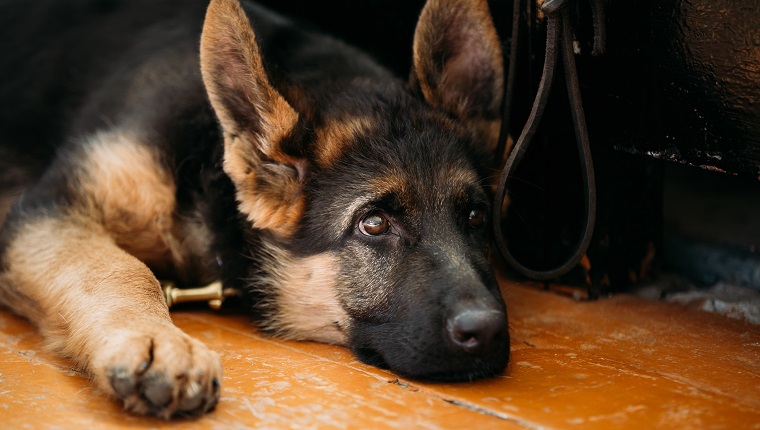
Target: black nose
{"points": [[476, 330]]}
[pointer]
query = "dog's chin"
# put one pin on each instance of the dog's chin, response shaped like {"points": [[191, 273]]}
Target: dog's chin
{"points": [[461, 376], [372, 357], [474, 371], [436, 369]]}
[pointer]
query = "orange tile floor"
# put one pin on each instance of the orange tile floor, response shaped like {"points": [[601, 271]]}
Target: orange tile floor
{"points": [[614, 363]]}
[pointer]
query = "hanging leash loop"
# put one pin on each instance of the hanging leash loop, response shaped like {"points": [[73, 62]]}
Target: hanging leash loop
{"points": [[559, 36]]}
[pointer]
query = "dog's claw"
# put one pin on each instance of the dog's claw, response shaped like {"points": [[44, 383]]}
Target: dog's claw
{"points": [[193, 397], [122, 382], [158, 390], [180, 377]]}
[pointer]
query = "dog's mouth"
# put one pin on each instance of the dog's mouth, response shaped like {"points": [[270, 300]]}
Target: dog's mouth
{"points": [[463, 376], [372, 357], [440, 368], [480, 370]]}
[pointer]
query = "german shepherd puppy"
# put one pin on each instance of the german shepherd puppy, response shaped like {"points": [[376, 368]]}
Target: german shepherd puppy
{"points": [[177, 139]]}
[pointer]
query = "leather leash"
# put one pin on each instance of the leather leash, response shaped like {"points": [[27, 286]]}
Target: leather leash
{"points": [[558, 37]]}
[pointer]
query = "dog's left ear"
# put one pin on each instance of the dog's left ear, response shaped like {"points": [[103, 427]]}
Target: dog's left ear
{"points": [[458, 64], [257, 122]]}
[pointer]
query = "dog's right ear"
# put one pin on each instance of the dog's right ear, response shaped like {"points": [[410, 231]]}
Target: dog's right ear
{"points": [[457, 64], [256, 121]]}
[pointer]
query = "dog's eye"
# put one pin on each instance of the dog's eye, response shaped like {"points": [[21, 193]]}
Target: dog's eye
{"points": [[375, 223], [477, 218]]}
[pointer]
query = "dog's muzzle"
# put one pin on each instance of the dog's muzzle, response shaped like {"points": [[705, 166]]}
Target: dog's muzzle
{"points": [[468, 342]]}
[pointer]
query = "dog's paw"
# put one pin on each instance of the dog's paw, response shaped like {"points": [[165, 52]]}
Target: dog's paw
{"points": [[164, 373]]}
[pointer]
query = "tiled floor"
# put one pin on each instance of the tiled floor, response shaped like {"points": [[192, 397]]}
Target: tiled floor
{"points": [[614, 363]]}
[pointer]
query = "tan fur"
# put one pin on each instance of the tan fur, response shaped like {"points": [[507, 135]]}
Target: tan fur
{"points": [[80, 278], [268, 190], [100, 306], [336, 136], [132, 196], [307, 305], [381, 186], [228, 41], [396, 183], [460, 177], [270, 195], [68, 283]]}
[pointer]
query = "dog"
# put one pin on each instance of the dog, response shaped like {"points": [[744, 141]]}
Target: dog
{"points": [[195, 141]]}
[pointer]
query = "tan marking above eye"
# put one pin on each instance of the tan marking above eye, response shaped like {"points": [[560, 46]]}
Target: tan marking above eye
{"points": [[338, 135]]}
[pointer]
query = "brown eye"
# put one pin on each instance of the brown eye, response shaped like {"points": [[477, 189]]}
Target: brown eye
{"points": [[374, 224], [477, 218]]}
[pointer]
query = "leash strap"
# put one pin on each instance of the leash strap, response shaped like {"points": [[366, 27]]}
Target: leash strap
{"points": [[558, 37]]}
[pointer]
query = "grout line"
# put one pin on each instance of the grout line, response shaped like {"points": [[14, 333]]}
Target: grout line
{"points": [[387, 378], [466, 405], [633, 369], [391, 378], [488, 412], [31, 359]]}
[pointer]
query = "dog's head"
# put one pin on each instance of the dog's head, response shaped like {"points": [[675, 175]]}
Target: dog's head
{"points": [[367, 196]]}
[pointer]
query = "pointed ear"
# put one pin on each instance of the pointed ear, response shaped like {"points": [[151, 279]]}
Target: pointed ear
{"points": [[256, 121], [458, 64]]}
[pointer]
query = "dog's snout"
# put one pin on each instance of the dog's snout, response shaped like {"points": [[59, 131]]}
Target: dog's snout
{"points": [[476, 330]]}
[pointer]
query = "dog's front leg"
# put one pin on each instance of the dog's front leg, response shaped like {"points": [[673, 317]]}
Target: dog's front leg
{"points": [[103, 308]]}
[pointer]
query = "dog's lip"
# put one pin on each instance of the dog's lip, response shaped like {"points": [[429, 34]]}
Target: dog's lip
{"points": [[471, 370], [477, 369], [457, 375], [372, 357]]}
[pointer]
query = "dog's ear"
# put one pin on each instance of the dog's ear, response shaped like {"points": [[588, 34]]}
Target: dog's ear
{"points": [[257, 122], [458, 65]]}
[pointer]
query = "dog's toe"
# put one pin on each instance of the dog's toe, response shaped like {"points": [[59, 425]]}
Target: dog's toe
{"points": [[158, 389], [193, 397], [172, 375], [122, 382]]}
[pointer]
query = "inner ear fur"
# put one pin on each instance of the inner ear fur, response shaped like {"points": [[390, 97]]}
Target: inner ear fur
{"points": [[255, 119], [458, 65]]}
